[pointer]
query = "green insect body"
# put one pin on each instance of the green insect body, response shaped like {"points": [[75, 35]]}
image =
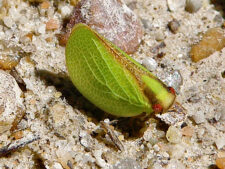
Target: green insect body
{"points": [[111, 79]]}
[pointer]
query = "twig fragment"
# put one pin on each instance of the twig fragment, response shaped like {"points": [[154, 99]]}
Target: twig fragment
{"points": [[112, 136], [11, 147]]}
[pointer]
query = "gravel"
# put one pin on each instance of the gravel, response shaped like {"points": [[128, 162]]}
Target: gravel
{"points": [[66, 123]]}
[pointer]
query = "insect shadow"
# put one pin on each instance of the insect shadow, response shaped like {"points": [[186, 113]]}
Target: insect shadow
{"points": [[131, 127], [63, 84]]}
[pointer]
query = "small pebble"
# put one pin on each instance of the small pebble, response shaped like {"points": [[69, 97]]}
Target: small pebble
{"points": [[8, 62], [49, 39], [18, 135], [86, 140], [74, 2], [199, 117], [175, 5], [217, 116], [29, 36], [57, 166], [145, 23], [41, 29], [127, 163], [58, 113], [63, 153], [220, 142], [175, 114], [159, 35], [174, 26], [165, 155], [188, 131], [220, 162], [121, 137], [161, 55], [213, 40], [45, 5], [174, 80], [58, 95], [52, 25], [99, 161], [11, 102], [110, 18], [173, 135], [193, 5], [65, 11], [175, 164], [156, 148], [177, 151], [150, 64], [8, 21]]}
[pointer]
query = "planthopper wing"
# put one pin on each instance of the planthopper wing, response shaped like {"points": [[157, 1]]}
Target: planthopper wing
{"points": [[103, 74]]}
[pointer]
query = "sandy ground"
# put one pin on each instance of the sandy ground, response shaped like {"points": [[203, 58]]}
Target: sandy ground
{"points": [[64, 128]]}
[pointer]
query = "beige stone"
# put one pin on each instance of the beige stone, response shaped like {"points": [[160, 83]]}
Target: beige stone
{"points": [[11, 102]]}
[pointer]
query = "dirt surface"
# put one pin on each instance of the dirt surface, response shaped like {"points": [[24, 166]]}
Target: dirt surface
{"points": [[61, 129]]}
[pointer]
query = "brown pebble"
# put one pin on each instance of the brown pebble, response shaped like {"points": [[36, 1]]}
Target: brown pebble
{"points": [[187, 131], [52, 24], [174, 25], [30, 36], [29, 60], [213, 40], [45, 5], [190, 159], [19, 117], [49, 39], [33, 101], [74, 2], [8, 62], [112, 19], [18, 135], [161, 55], [220, 162]]}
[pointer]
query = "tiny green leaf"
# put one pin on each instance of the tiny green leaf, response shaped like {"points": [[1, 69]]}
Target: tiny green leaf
{"points": [[111, 79]]}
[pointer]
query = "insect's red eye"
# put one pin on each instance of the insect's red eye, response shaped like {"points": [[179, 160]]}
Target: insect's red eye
{"points": [[172, 90], [157, 108]]}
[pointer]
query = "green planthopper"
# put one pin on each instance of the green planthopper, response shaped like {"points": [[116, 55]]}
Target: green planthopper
{"points": [[111, 79]]}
